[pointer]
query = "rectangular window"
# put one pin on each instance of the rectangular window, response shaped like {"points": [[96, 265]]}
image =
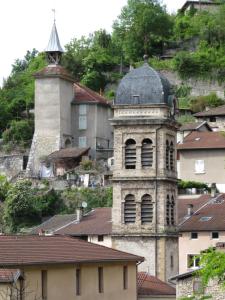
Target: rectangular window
{"points": [[78, 282], [44, 284], [82, 142], [100, 238], [125, 277], [82, 109], [192, 261], [215, 235], [82, 122], [171, 262], [100, 280], [199, 166], [194, 235]]}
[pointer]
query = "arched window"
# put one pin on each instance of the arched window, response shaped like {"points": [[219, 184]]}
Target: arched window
{"points": [[67, 143], [172, 206], [130, 154], [129, 209], [146, 209], [171, 156], [168, 210], [167, 154], [146, 153]]}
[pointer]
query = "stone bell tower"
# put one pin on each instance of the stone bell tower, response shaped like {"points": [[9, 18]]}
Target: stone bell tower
{"points": [[54, 92], [144, 176]]}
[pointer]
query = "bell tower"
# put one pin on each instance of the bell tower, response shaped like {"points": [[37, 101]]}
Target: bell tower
{"points": [[144, 175], [54, 92]]}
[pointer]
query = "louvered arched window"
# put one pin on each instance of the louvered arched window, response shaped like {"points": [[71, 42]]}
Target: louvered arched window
{"points": [[172, 207], [168, 210], [130, 154], [167, 155], [146, 209], [129, 209], [146, 153], [171, 156]]}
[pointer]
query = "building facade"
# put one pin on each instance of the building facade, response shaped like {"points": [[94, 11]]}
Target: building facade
{"points": [[144, 173]]}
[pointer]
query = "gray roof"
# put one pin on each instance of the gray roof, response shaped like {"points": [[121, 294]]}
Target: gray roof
{"points": [[144, 86], [54, 223], [54, 43]]}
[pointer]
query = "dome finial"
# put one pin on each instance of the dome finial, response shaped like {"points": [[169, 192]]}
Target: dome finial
{"points": [[145, 58]]}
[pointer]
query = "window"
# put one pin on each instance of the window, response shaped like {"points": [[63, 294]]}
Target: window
{"points": [[146, 153], [199, 166], [146, 209], [171, 262], [100, 238], [78, 282], [215, 235], [205, 219], [82, 122], [171, 156], [100, 280], [130, 154], [167, 154], [44, 284], [194, 235], [82, 142], [125, 277], [25, 161], [172, 205], [193, 261], [82, 109], [168, 210], [212, 119], [129, 209]]}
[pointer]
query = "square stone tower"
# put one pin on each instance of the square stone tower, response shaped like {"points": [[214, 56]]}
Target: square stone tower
{"points": [[144, 176]]}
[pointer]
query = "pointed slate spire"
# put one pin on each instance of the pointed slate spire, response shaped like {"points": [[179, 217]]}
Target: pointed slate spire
{"points": [[54, 50]]}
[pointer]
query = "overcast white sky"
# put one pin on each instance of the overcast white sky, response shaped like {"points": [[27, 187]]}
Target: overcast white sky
{"points": [[26, 24]]}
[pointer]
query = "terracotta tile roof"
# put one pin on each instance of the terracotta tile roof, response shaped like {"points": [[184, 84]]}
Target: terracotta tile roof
{"points": [[216, 111], [85, 95], [97, 222], [54, 71], [182, 204], [30, 250], [74, 152], [54, 223], [9, 275], [209, 217], [203, 140], [194, 126], [150, 285]]}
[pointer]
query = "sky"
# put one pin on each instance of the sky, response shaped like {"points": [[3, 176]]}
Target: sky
{"points": [[26, 24]]}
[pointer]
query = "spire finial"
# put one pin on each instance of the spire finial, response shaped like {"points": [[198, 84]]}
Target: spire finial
{"points": [[145, 58], [53, 10]]}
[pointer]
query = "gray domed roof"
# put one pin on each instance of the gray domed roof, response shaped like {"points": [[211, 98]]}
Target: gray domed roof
{"points": [[144, 86]]}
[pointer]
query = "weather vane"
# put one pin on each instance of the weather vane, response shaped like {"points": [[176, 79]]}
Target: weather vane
{"points": [[53, 10]]}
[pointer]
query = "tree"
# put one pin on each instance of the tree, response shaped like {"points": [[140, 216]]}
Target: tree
{"points": [[142, 27]]}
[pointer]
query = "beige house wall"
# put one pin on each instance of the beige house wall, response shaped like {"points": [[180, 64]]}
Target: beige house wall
{"points": [[195, 246], [61, 282], [214, 161], [5, 291], [107, 242]]}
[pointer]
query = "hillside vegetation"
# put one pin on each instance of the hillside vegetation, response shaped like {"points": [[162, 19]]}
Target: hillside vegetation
{"points": [[101, 59]]}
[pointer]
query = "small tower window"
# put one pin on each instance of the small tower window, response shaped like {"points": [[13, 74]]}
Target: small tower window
{"points": [[146, 209], [172, 206], [130, 154], [171, 156], [129, 209], [146, 153], [168, 210], [167, 154]]}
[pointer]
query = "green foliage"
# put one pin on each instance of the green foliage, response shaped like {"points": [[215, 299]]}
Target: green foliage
{"points": [[182, 91], [4, 186], [186, 119], [182, 184], [201, 102], [96, 197], [86, 164]]}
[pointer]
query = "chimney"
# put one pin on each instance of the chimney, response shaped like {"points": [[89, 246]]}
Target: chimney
{"points": [[79, 213], [213, 190], [189, 210]]}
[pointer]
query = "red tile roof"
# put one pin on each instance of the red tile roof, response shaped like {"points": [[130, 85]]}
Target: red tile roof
{"points": [[182, 204], [203, 140], [74, 152], [85, 95], [97, 222], [30, 250], [209, 217], [216, 111], [9, 275], [150, 285]]}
